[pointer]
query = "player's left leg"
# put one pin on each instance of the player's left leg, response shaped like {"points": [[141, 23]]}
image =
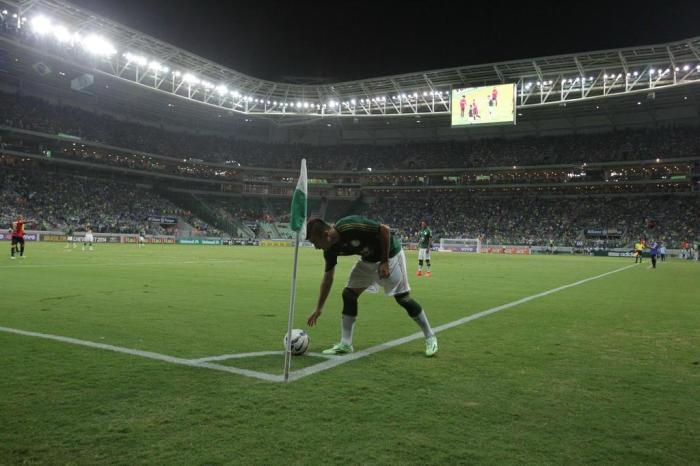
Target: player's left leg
{"points": [[397, 286], [21, 248], [416, 312]]}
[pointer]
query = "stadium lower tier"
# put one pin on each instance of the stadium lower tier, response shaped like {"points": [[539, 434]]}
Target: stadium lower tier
{"points": [[60, 200]]}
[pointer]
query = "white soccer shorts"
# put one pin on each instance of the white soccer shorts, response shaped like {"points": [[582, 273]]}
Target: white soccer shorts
{"points": [[89, 238], [423, 254], [366, 275]]}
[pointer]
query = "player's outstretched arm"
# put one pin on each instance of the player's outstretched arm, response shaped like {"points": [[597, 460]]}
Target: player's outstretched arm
{"points": [[326, 285], [384, 241]]}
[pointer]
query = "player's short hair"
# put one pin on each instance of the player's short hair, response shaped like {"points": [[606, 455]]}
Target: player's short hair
{"points": [[424, 221], [315, 227]]}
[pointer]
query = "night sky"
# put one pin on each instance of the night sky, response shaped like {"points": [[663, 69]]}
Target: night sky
{"points": [[343, 40]]}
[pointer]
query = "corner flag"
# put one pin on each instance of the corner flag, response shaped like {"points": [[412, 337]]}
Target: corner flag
{"points": [[297, 222], [297, 219]]}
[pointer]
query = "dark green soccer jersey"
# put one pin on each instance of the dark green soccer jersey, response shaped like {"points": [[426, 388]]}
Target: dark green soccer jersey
{"points": [[425, 236], [359, 236]]}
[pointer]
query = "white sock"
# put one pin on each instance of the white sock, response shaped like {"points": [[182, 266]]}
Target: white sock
{"points": [[422, 321], [348, 323]]}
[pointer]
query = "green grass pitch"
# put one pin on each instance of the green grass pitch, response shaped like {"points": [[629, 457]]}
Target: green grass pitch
{"points": [[603, 372]]}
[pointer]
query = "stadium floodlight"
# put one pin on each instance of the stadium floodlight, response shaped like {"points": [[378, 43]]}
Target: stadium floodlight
{"points": [[40, 24], [652, 71], [138, 59], [636, 73], [352, 101], [4, 12], [190, 79], [98, 45], [590, 78], [61, 34], [686, 67], [221, 89], [155, 66], [415, 94], [677, 68], [177, 74], [425, 93]]}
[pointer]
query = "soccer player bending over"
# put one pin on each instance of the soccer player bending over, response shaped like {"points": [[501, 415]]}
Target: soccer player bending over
{"points": [[382, 262]]}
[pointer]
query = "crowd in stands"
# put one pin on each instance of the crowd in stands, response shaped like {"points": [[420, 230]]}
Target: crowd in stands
{"points": [[57, 201], [536, 221], [26, 112]]}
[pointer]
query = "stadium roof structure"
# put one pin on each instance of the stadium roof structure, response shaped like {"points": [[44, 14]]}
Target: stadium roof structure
{"points": [[102, 46]]}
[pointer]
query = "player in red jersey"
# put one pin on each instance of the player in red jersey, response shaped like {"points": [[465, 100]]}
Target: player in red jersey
{"points": [[17, 237], [494, 97], [475, 110]]}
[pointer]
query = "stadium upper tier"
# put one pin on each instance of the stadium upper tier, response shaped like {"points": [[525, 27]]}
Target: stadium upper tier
{"points": [[33, 125], [101, 46]]}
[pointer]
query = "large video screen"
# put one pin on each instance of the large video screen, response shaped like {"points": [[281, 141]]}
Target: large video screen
{"points": [[483, 105]]}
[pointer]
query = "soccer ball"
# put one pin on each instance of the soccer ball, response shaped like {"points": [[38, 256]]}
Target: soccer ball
{"points": [[300, 342]]}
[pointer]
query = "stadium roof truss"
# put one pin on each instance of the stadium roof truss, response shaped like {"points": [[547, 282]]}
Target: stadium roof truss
{"points": [[70, 33]]}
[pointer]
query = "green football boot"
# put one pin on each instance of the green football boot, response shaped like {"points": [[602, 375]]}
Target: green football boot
{"points": [[340, 348], [431, 346]]}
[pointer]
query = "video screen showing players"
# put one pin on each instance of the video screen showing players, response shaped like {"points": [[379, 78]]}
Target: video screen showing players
{"points": [[483, 105]]}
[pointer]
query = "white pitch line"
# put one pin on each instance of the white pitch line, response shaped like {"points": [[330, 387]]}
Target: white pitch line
{"points": [[225, 357], [332, 361], [148, 354], [338, 360], [120, 264]]}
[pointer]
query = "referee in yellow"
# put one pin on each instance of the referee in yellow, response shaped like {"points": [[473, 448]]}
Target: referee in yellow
{"points": [[638, 248]]}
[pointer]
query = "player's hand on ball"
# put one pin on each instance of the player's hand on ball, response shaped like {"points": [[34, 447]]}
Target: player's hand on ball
{"points": [[313, 318]]}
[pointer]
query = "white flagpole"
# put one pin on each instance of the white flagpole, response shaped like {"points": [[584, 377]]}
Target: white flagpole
{"points": [[290, 322]]}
